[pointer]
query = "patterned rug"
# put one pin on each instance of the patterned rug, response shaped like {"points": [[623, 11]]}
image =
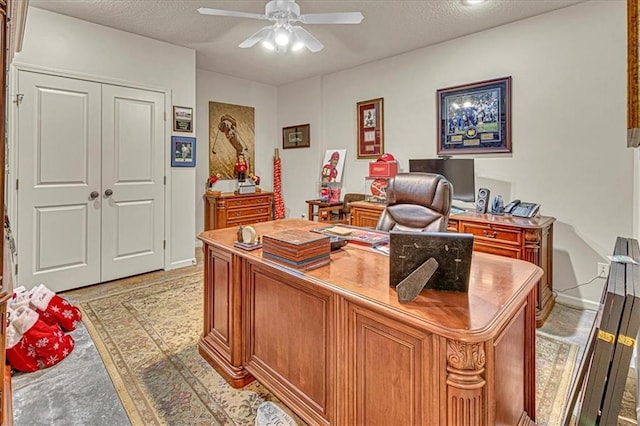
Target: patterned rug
{"points": [[146, 329]]}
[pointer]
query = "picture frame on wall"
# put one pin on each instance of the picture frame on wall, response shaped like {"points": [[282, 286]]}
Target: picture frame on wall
{"points": [[183, 151], [475, 118], [182, 119], [370, 138], [296, 136]]}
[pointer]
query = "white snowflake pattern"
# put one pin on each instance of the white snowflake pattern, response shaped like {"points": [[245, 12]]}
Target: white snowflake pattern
{"points": [[41, 343], [65, 352], [75, 324], [68, 314], [64, 302], [52, 359], [56, 346], [58, 334], [55, 308], [31, 351]]}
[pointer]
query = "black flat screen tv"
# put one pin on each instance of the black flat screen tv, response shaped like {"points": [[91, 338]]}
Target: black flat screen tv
{"points": [[459, 171]]}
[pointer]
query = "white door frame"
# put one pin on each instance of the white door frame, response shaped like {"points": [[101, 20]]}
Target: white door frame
{"points": [[11, 147]]}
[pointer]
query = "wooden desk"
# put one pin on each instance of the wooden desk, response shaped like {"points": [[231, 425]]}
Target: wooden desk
{"points": [[336, 346], [530, 239], [365, 213], [325, 211], [229, 209]]}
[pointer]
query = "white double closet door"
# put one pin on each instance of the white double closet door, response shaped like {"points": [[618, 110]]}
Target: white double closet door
{"points": [[90, 193]]}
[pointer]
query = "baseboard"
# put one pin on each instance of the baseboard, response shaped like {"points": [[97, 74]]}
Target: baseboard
{"points": [[182, 264], [576, 302]]}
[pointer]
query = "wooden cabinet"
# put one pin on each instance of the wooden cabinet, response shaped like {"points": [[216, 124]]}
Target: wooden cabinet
{"points": [[529, 239], [365, 214], [228, 209]]}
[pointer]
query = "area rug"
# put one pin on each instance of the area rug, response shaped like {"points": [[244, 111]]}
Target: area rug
{"points": [[147, 333], [146, 329], [555, 365]]}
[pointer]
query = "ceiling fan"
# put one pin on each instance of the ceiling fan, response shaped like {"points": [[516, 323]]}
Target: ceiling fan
{"points": [[283, 35]]}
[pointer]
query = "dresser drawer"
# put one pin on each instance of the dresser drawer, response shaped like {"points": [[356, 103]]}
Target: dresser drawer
{"points": [[498, 233], [498, 249], [244, 201], [247, 220], [248, 212]]}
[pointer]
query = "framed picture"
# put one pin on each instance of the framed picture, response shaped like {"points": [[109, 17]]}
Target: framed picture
{"points": [[183, 151], [332, 166], [182, 119], [475, 118], [296, 136], [370, 130]]}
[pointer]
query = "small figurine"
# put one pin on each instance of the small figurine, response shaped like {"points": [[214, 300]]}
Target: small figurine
{"points": [[241, 168]]}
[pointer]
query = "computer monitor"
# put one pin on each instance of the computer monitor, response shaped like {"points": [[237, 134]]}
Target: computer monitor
{"points": [[459, 171]]}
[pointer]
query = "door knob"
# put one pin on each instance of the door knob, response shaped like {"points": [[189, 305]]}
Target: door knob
{"points": [[108, 193], [94, 195]]}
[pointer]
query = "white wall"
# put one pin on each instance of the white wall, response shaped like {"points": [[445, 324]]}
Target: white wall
{"points": [[216, 87], [568, 73], [76, 47]]}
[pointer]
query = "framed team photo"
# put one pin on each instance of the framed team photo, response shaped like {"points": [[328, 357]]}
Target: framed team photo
{"points": [[475, 118]]}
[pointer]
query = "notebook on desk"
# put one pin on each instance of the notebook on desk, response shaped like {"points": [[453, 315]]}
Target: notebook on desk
{"points": [[452, 251]]}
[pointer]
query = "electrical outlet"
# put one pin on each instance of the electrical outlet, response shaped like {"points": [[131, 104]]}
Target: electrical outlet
{"points": [[603, 269]]}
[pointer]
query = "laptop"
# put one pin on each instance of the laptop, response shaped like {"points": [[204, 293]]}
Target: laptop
{"points": [[452, 251]]}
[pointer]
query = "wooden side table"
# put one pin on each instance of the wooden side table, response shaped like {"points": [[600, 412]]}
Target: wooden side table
{"points": [[323, 211]]}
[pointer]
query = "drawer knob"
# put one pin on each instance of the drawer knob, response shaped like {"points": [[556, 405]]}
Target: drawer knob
{"points": [[489, 234]]}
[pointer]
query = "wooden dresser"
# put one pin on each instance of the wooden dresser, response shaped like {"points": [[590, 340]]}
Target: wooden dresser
{"points": [[229, 209], [504, 235]]}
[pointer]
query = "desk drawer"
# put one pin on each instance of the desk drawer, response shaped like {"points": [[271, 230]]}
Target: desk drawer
{"points": [[500, 234]]}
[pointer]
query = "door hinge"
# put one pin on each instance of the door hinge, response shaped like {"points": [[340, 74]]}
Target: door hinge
{"points": [[19, 98], [16, 269], [165, 180], [164, 244], [165, 116], [17, 184]]}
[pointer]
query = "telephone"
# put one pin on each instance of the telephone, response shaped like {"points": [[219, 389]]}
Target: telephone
{"points": [[518, 208]]}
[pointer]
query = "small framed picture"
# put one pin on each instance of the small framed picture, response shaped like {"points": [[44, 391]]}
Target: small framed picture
{"points": [[183, 151], [370, 131], [296, 136], [182, 119]]}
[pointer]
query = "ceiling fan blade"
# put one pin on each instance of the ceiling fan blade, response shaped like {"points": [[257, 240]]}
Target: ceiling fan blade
{"points": [[232, 13], [311, 43], [332, 18], [259, 35]]}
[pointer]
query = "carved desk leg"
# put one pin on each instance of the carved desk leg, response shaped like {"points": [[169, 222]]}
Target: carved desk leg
{"points": [[465, 383]]}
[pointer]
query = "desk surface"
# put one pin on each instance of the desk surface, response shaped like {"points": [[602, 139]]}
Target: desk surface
{"points": [[495, 282]]}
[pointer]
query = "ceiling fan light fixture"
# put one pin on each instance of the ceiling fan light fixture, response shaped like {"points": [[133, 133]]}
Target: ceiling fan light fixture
{"points": [[472, 2], [281, 37]]}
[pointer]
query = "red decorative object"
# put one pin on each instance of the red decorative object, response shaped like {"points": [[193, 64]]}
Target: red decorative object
{"points": [[278, 210], [379, 188], [385, 169]]}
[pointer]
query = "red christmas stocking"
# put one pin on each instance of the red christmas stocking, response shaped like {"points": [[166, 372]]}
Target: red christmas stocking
{"points": [[20, 355], [46, 342], [53, 309]]}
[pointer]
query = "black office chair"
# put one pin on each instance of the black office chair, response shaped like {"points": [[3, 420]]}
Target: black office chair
{"points": [[417, 202]]}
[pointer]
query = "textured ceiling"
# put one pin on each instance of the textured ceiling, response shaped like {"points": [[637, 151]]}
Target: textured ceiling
{"points": [[390, 27]]}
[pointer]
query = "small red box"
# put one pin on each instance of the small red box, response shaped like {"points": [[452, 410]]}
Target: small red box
{"points": [[383, 169]]}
